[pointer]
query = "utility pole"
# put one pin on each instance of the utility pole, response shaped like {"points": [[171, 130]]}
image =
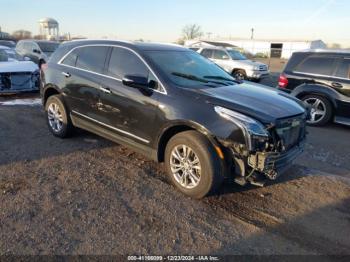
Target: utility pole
{"points": [[252, 36]]}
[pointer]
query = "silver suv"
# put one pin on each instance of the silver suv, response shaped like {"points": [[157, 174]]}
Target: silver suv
{"points": [[235, 63]]}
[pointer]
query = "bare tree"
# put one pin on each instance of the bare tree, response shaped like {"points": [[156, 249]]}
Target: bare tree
{"points": [[192, 31], [22, 34]]}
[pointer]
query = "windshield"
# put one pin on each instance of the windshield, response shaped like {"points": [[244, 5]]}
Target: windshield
{"points": [[48, 47], [190, 69], [235, 55]]}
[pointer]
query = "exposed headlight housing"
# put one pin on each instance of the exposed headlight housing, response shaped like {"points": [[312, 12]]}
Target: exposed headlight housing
{"points": [[249, 126]]}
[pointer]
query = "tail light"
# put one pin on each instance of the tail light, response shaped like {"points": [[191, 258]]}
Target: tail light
{"points": [[283, 81]]}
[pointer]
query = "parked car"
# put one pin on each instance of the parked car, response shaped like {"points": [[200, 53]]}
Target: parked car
{"points": [[16, 74], [8, 43], [235, 63], [39, 51], [321, 78], [176, 107]]}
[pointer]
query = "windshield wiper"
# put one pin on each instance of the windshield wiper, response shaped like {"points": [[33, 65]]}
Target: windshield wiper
{"points": [[222, 78], [196, 78], [190, 77]]}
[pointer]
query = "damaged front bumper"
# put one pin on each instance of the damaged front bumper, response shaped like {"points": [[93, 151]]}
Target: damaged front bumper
{"points": [[273, 164], [16, 82]]}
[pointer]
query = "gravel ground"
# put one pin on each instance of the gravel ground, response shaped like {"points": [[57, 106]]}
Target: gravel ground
{"points": [[86, 195]]}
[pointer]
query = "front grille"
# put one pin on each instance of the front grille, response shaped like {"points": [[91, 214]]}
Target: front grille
{"points": [[290, 132]]}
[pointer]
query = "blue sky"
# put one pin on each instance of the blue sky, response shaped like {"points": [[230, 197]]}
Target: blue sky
{"points": [[163, 20]]}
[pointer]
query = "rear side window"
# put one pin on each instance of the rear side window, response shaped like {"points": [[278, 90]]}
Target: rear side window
{"points": [[124, 62], [343, 70], [317, 65], [71, 59], [208, 53], [92, 58]]}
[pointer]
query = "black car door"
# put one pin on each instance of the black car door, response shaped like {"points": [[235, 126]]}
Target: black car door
{"points": [[128, 111], [82, 70], [341, 83]]}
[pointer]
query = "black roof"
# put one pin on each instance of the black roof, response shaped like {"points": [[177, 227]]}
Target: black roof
{"points": [[133, 45]]}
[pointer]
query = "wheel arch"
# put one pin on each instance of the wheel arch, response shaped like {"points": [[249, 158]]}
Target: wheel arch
{"points": [[238, 69], [175, 128], [319, 90], [49, 90]]}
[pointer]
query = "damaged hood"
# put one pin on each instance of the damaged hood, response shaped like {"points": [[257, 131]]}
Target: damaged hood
{"points": [[262, 103], [18, 66]]}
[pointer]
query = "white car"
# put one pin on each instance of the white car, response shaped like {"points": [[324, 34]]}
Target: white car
{"points": [[16, 73], [235, 63]]}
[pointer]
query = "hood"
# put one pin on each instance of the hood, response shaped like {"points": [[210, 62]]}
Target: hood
{"points": [[257, 101], [18, 66], [250, 63]]}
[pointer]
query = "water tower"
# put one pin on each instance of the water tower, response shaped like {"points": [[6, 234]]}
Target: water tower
{"points": [[49, 28]]}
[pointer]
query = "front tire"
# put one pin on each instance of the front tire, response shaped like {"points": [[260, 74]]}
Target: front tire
{"points": [[240, 75], [193, 165], [58, 120], [321, 110]]}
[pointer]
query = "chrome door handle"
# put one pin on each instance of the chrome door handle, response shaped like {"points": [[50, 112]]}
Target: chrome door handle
{"points": [[66, 74], [105, 90]]}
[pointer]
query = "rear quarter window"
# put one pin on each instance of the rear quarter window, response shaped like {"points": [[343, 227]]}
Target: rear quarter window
{"points": [[320, 65], [343, 69], [92, 58]]}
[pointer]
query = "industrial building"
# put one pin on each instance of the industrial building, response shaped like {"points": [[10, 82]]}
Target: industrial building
{"points": [[266, 48]]}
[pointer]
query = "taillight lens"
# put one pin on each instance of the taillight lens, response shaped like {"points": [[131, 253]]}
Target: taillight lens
{"points": [[283, 81]]}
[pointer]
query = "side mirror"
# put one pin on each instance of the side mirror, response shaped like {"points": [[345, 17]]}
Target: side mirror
{"points": [[36, 51], [136, 81], [225, 57]]}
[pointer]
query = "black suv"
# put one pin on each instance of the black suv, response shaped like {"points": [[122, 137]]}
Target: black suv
{"points": [[321, 78], [174, 106], [39, 51]]}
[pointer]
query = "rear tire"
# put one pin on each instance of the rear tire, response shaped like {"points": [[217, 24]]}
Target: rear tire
{"points": [[321, 110], [57, 118], [193, 164]]}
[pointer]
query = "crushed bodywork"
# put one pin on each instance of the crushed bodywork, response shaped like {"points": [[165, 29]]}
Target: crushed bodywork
{"points": [[269, 156], [19, 76]]}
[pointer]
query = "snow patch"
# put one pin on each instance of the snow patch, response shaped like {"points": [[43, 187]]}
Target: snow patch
{"points": [[22, 102]]}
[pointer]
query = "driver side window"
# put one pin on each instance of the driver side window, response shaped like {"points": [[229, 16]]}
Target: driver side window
{"points": [[124, 62]]}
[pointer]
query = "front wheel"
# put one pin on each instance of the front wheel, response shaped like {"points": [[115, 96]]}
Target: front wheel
{"points": [[193, 165], [321, 110], [240, 75]]}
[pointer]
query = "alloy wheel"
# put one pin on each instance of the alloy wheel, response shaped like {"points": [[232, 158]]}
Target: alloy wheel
{"points": [[55, 117], [185, 166], [318, 109]]}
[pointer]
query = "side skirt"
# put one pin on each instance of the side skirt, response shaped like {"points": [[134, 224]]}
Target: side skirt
{"points": [[342, 120], [110, 135]]}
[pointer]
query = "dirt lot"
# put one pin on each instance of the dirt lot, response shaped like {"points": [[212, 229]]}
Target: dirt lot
{"points": [[86, 195]]}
